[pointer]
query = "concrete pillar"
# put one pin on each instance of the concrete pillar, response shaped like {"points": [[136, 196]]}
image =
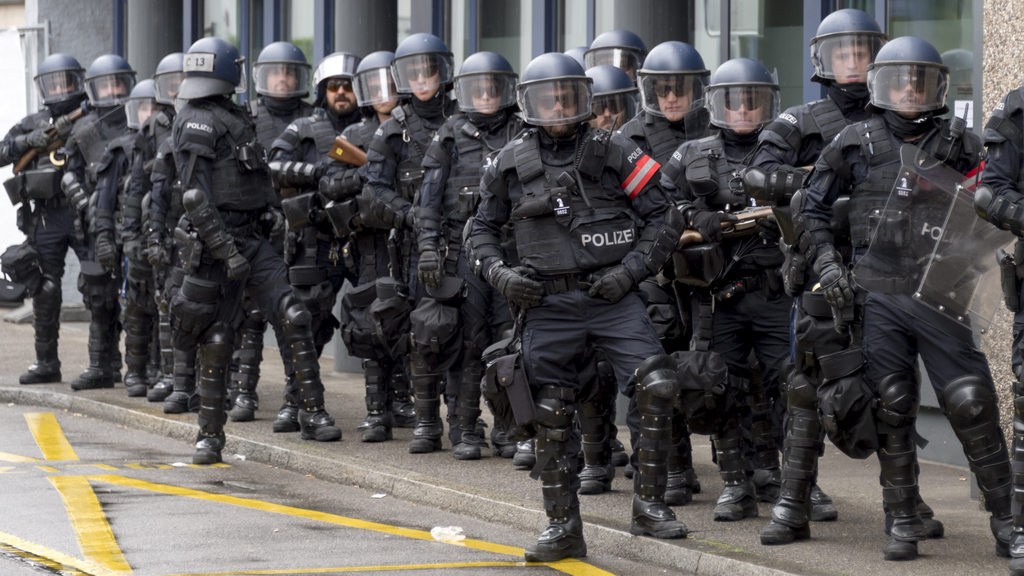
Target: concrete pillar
{"points": [[362, 27], [154, 30]]}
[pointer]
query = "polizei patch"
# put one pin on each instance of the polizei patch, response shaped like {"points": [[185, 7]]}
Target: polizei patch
{"points": [[608, 238], [198, 126]]}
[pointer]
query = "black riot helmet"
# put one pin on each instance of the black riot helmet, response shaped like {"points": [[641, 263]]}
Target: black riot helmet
{"points": [[374, 82], [620, 48], [578, 53], [422, 62], [167, 78], [743, 96], [281, 71], [846, 42], [554, 91], [336, 69], [109, 80], [212, 67], [59, 78], [614, 96], [672, 80], [486, 83], [908, 76], [141, 104]]}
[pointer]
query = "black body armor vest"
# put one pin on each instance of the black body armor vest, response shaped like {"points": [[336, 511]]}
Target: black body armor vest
{"points": [[268, 125]]}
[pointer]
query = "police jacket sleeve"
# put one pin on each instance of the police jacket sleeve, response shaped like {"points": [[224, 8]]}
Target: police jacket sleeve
{"points": [[194, 149], [493, 211], [112, 166], [10, 152], [382, 161], [437, 164], [834, 172], [138, 186], [162, 185]]}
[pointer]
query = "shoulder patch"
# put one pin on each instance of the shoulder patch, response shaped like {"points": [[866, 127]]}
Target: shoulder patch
{"points": [[644, 167], [379, 132], [293, 127], [788, 118], [190, 125]]}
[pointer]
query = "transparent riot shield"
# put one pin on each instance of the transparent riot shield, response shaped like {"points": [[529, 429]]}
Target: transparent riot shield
{"points": [[929, 243]]}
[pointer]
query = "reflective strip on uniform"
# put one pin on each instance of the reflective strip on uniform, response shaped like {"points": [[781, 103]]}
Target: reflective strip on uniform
{"points": [[645, 168]]}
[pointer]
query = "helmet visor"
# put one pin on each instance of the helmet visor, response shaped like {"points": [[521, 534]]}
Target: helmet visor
{"points": [[485, 93], [611, 111], [556, 102], [908, 87], [335, 65], [622, 58], [281, 79], [109, 89], [138, 110], [422, 72], [742, 108], [672, 96], [375, 86], [166, 86], [59, 86], [845, 58]]}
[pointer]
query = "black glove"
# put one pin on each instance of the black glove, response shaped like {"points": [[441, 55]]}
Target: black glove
{"points": [[613, 284], [238, 267], [837, 285], [275, 222], [158, 253], [709, 223], [63, 127], [768, 229], [514, 286], [135, 250], [429, 265], [38, 138], [106, 251]]}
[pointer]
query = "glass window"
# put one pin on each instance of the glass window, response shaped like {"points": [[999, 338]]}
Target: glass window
{"points": [[572, 24], [708, 31], [220, 19], [404, 20], [460, 30], [862, 5], [949, 26], [297, 24], [772, 32], [505, 27], [654, 21]]}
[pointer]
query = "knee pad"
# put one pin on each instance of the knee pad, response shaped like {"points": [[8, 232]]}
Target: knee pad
{"points": [[49, 290], [801, 391], [555, 407], [900, 397], [294, 312], [657, 377], [218, 345], [970, 400]]}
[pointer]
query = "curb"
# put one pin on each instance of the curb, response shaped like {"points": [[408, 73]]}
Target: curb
{"points": [[691, 555]]}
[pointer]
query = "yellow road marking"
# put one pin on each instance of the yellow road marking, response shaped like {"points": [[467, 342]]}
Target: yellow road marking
{"points": [[7, 470], [47, 468], [55, 556], [49, 436], [572, 567], [367, 568], [95, 537], [100, 466], [7, 457]]}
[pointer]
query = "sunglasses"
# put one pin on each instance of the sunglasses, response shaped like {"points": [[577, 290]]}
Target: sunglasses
{"points": [[548, 100], [425, 70], [612, 104], [749, 99], [482, 89], [679, 87], [335, 84]]}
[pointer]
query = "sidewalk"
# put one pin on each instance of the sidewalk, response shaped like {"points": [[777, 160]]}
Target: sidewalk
{"points": [[492, 490]]}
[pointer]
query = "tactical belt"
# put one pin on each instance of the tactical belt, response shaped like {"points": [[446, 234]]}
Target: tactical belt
{"points": [[739, 287], [566, 283]]}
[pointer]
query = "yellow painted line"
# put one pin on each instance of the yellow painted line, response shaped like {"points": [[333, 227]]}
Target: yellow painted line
{"points": [[55, 557], [100, 466], [572, 567], [47, 468], [8, 470], [367, 568], [95, 537], [49, 436], [7, 457]]}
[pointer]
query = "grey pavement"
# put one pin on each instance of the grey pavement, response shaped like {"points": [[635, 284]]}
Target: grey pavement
{"points": [[490, 490]]}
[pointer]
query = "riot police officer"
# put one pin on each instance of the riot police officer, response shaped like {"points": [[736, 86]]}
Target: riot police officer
{"points": [[485, 91], [314, 257], [1005, 208], [227, 196], [614, 97], [671, 84], [45, 215], [151, 227], [908, 84], [108, 82], [113, 179], [577, 196], [422, 68], [845, 44], [620, 48], [738, 307], [388, 403]]}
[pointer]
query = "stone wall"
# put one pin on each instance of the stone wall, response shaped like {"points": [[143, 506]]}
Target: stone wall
{"points": [[1003, 70]]}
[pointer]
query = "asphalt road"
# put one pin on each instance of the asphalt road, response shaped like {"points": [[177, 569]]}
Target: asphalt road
{"points": [[86, 497]]}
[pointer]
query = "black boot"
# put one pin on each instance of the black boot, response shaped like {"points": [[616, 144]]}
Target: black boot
{"points": [[899, 551], [501, 447], [682, 478], [314, 421], [563, 537], [98, 374], [595, 423], [402, 407], [466, 438], [214, 358], [739, 498], [525, 456], [46, 322], [245, 365], [426, 437], [165, 385], [208, 448], [1016, 551], [184, 382], [138, 328], [379, 420], [287, 419], [657, 386]]}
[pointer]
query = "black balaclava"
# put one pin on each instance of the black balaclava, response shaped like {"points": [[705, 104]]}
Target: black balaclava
{"points": [[849, 97], [434, 108], [281, 106], [489, 122], [905, 128]]}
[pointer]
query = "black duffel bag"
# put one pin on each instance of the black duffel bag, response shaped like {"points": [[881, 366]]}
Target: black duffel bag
{"points": [[22, 264], [709, 394]]}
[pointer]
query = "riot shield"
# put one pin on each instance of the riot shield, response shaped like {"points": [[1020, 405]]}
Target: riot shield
{"points": [[928, 242]]}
